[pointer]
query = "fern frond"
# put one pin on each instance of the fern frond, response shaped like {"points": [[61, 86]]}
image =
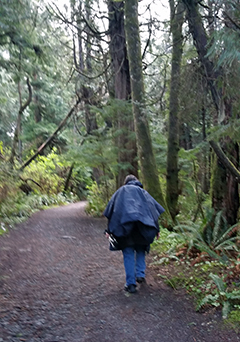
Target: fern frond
{"points": [[229, 244], [209, 299], [219, 282], [226, 234], [217, 227]]}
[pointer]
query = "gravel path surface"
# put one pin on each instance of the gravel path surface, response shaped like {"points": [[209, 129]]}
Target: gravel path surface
{"points": [[59, 282]]}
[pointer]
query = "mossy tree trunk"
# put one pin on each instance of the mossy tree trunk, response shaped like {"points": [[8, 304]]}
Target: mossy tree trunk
{"points": [[145, 150], [177, 16], [224, 184], [225, 196], [126, 141]]}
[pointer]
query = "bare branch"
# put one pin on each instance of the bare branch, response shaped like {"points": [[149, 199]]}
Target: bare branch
{"points": [[49, 139], [93, 77], [237, 26]]}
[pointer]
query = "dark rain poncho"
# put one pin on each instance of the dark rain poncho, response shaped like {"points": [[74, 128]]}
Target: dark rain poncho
{"points": [[133, 215]]}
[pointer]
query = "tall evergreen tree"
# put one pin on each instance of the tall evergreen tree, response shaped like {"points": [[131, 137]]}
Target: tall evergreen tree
{"points": [[126, 142], [145, 150], [177, 16]]}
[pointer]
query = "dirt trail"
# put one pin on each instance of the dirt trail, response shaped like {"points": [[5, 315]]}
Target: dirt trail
{"points": [[59, 282]]}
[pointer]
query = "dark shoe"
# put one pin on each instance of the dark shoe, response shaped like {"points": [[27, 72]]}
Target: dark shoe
{"points": [[130, 288], [141, 280]]}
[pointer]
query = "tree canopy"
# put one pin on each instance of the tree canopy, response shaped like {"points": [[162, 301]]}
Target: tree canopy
{"points": [[60, 67]]}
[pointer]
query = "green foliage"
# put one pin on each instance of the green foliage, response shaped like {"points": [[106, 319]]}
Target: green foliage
{"points": [[45, 171], [207, 291], [193, 274], [18, 208], [233, 319], [212, 237], [188, 199], [225, 47], [175, 281], [194, 279], [31, 45], [192, 201], [221, 297], [220, 237], [80, 181], [98, 197], [9, 180], [46, 176], [166, 246], [50, 173]]}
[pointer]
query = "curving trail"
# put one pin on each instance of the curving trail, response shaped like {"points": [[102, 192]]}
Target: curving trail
{"points": [[59, 282]]}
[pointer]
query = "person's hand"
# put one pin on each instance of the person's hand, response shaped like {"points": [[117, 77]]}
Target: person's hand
{"points": [[107, 235], [157, 236]]}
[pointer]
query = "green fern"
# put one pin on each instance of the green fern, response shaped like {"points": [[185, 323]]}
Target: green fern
{"points": [[219, 282], [217, 228], [223, 298], [218, 241]]}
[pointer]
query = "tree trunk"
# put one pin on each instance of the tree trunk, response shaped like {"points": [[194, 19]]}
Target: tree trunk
{"points": [[19, 120], [37, 107], [144, 143], [225, 195], [66, 185], [83, 64], [201, 43], [126, 142], [177, 15], [225, 161], [185, 137], [205, 156], [87, 92]]}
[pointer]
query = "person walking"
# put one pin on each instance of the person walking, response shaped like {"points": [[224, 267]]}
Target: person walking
{"points": [[132, 215]]}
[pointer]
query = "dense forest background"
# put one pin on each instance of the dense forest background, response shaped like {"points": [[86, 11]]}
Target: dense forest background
{"points": [[94, 90]]}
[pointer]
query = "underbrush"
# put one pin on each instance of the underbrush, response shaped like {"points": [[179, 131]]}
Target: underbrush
{"points": [[17, 209], [98, 197], [48, 181], [211, 279]]}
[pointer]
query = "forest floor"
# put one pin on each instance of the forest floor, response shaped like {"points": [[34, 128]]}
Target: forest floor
{"points": [[59, 282]]}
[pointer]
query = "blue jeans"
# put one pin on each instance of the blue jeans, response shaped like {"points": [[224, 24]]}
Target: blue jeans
{"points": [[134, 263]]}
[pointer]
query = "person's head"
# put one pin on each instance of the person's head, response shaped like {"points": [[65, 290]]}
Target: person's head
{"points": [[130, 178]]}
